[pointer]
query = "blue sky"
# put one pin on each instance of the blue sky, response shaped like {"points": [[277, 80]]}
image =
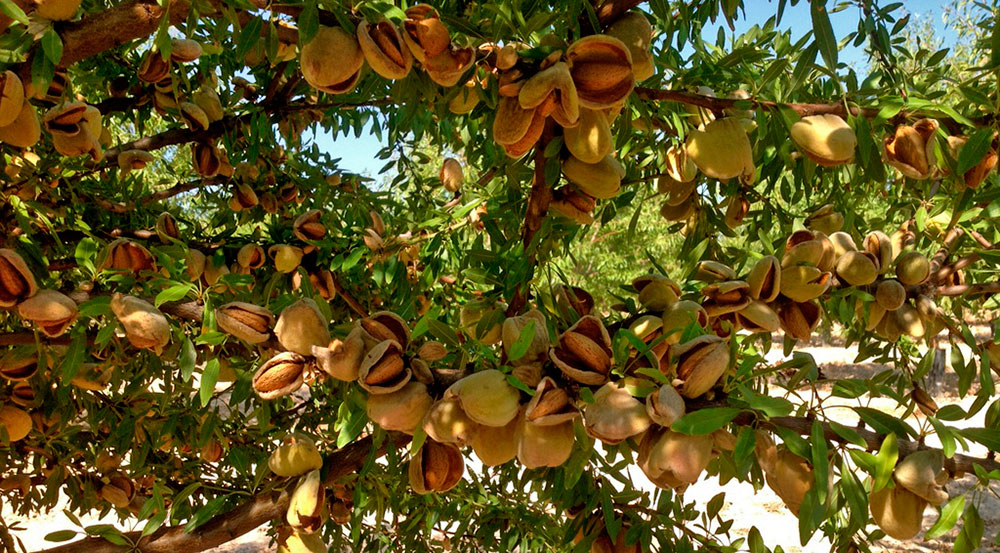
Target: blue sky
{"points": [[359, 155]]}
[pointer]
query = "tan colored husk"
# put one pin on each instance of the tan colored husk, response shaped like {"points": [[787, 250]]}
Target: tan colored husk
{"points": [[402, 410], [722, 150], [52, 312], [308, 227], [879, 245], [701, 362], [656, 292], [16, 422], [341, 359], [57, 10], [583, 352], [119, 491], [301, 326], [125, 255], [911, 149], [436, 467], [590, 140], [799, 319], [673, 460], [552, 86], [486, 397], [567, 297], [912, 268], [145, 326], [857, 268], [245, 321], [922, 472], [511, 331], [679, 316], [448, 67], [790, 477], [601, 67], [842, 243], [299, 542], [251, 256], [307, 506], [600, 180], [825, 219], [451, 174], [573, 205], [898, 512], [384, 49], [424, 33], [384, 325], [166, 228], [294, 458], [383, 370], [544, 445], [890, 294], [25, 130], [332, 61], [634, 30], [615, 415], [764, 280], [496, 445], [446, 422], [803, 283], [280, 375], [826, 139], [469, 317], [665, 405], [757, 316], [550, 405], [725, 297], [11, 97], [711, 271]]}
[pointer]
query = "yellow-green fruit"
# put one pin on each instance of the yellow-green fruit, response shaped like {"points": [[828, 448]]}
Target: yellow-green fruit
{"points": [[301, 542], [601, 180], [679, 316], [447, 423], [16, 423], [656, 292], [790, 476], [842, 243], [857, 268], [555, 84], [671, 459], [825, 139], [922, 472], [11, 97], [826, 220], [57, 10], [301, 326], [469, 318], [912, 268], [145, 326], [496, 445], [286, 258], [466, 100], [25, 131], [634, 30], [802, 283], [601, 67], [909, 321], [486, 397], [295, 458], [764, 279], [615, 415], [332, 60], [402, 410], [898, 512], [590, 140], [890, 294], [722, 150], [544, 445]]}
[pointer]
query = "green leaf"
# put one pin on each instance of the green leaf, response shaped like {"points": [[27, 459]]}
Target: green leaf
{"points": [[823, 31], [52, 46], [705, 421], [173, 293], [884, 423], [13, 11], [975, 149], [987, 437], [949, 516], [186, 360], [821, 466], [308, 22], [208, 379], [885, 461], [75, 354], [971, 534], [207, 512], [61, 535], [154, 523], [770, 406], [523, 341]]}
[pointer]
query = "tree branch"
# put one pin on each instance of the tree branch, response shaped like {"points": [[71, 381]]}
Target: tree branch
{"points": [[228, 526], [538, 206], [719, 104], [969, 289]]}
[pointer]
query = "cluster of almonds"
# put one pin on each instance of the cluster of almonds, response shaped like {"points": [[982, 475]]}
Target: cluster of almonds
{"points": [[333, 60], [583, 90], [911, 151], [918, 479]]}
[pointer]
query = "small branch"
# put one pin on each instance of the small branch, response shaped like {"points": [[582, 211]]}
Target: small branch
{"points": [[969, 289], [228, 526], [719, 104], [538, 206], [353, 303], [947, 246]]}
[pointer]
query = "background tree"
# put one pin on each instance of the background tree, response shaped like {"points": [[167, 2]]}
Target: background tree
{"points": [[181, 258]]}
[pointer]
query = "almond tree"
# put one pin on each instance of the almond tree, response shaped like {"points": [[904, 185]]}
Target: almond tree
{"points": [[209, 325]]}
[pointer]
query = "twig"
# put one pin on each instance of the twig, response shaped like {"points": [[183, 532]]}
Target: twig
{"points": [[353, 303], [969, 289]]}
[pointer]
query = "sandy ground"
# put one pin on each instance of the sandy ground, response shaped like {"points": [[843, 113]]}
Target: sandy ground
{"points": [[746, 507]]}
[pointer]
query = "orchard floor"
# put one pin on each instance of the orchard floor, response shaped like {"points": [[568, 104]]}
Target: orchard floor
{"points": [[747, 508]]}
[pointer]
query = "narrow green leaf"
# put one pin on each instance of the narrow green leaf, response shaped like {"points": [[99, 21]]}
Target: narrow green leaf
{"points": [[949, 516], [821, 466], [885, 461], [13, 11], [823, 31], [308, 22], [52, 46], [523, 341], [61, 535], [705, 421], [975, 149], [173, 293], [208, 379]]}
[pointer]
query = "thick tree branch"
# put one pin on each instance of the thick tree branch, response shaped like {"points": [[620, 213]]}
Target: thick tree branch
{"points": [[719, 104], [115, 26], [969, 289], [244, 518]]}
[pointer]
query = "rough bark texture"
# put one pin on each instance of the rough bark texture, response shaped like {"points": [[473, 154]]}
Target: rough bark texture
{"points": [[116, 26], [233, 524]]}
